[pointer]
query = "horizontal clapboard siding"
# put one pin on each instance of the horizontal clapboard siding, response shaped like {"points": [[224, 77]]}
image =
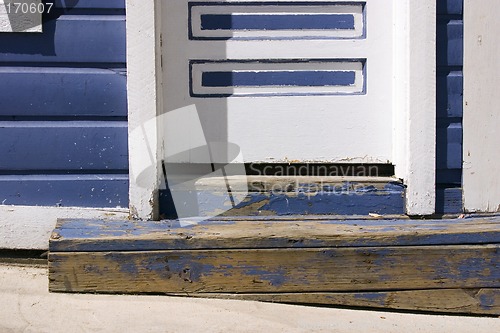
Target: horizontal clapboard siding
{"points": [[93, 39], [89, 4], [449, 106], [64, 145], [95, 190], [50, 91], [63, 111]]}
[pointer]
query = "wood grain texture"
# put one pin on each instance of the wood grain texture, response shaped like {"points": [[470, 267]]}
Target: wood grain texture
{"points": [[277, 270], [428, 265], [253, 233], [463, 301]]}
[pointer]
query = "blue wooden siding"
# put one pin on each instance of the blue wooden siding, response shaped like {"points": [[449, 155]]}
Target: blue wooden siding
{"points": [[63, 109], [449, 106]]}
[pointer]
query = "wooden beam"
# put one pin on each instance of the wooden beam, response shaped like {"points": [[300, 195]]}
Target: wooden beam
{"points": [[277, 270], [79, 235], [464, 301], [425, 265]]}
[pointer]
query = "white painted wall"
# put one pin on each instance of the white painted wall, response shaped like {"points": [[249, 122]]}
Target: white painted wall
{"points": [[481, 123], [21, 18]]}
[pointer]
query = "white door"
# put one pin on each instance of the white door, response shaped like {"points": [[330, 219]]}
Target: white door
{"points": [[286, 81]]}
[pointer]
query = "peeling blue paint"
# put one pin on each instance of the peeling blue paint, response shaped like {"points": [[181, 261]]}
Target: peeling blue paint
{"points": [[275, 278], [128, 267], [98, 235], [377, 297], [489, 299]]}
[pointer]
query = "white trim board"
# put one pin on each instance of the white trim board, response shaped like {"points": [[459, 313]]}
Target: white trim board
{"points": [[143, 63], [21, 16], [481, 120], [415, 115], [27, 227]]}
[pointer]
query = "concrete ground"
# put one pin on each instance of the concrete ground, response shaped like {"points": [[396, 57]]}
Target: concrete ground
{"points": [[27, 306]]}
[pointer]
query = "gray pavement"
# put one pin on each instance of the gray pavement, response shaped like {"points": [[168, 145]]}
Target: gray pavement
{"points": [[27, 306]]}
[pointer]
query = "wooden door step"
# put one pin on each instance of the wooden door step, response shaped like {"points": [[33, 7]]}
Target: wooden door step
{"points": [[288, 195], [439, 265]]}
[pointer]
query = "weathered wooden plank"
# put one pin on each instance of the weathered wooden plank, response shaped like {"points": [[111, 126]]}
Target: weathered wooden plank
{"points": [[35, 91], [464, 301], [94, 190], [63, 145], [295, 232], [277, 270], [63, 41]]}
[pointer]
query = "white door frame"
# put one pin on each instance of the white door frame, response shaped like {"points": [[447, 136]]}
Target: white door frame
{"points": [[481, 121], [414, 120]]}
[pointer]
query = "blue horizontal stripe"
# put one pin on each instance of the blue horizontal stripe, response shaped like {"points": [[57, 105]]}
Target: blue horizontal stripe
{"points": [[92, 190], [277, 22], [278, 78]]}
